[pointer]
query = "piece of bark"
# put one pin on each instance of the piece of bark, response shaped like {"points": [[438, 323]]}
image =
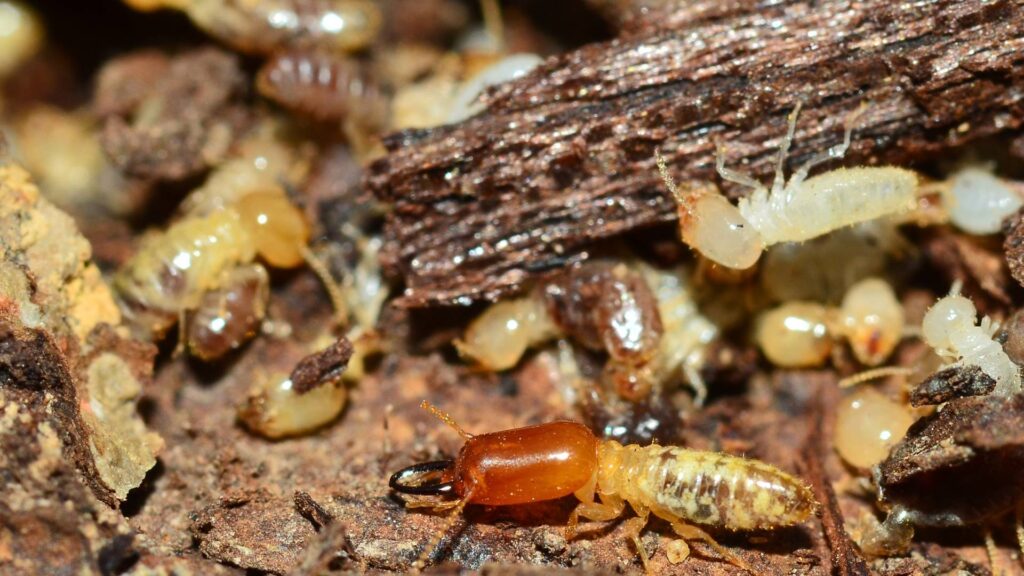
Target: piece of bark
{"points": [[960, 465], [321, 367], [565, 155], [170, 118], [953, 382]]}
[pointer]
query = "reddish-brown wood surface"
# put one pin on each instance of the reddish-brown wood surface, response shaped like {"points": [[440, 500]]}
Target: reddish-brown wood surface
{"points": [[564, 156]]}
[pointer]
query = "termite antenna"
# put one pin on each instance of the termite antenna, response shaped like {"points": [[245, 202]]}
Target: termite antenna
{"points": [[446, 418], [330, 285], [874, 374], [958, 285], [684, 202], [429, 550]]}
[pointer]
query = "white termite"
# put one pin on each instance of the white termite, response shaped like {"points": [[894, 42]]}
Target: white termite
{"points": [[793, 211], [977, 201], [951, 328]]}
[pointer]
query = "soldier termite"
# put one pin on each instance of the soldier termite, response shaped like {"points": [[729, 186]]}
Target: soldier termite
{"points": [[264, 26], [797, 210], [801, 334], [547, 461]]}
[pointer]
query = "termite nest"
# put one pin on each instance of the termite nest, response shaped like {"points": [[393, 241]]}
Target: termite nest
{"points": [[828, 360]]}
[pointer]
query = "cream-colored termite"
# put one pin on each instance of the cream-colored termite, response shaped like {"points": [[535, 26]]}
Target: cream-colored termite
{"points": [[793, 211], [800, 334]]}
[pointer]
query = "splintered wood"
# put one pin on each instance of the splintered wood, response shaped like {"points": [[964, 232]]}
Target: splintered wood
{"points": [[565, 156]]}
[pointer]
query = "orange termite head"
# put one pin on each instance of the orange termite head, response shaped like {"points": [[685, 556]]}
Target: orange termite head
{"points": [[514, 466]]}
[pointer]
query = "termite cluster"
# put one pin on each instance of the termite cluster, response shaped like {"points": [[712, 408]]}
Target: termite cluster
{"points": [[810, 274]]}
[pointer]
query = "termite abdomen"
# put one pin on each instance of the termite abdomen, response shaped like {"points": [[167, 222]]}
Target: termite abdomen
{"points": [[228, 316], [322, 85], [608, 307], [708, 488]]}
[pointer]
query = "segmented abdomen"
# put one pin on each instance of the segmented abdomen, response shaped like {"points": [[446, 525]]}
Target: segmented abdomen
{"points": [[172, 270], [323, 85], [717, 489]]}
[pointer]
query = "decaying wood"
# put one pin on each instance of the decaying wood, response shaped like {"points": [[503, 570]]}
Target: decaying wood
{"points": [[564, 156]]}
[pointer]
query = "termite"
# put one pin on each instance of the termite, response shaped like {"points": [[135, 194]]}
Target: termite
{"points": [[801, 334], [173, 271], [868, 425], [547, 461], [790, 211], [264, 26], [951, 328], [645, 319], [282, 405]]}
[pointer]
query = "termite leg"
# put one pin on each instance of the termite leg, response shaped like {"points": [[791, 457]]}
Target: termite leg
{"points": [[493, 22], [609, 508], [456, 510], [633, 527], [689, 532], [182, 334], [837, 151], [874, 374], [989, 326], [696, 381], [730, 175]]}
